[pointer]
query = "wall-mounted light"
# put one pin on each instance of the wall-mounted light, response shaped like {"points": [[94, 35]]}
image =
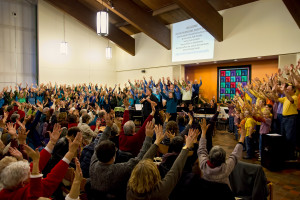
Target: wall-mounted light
{"points": [[108, 51], [64, 44]]}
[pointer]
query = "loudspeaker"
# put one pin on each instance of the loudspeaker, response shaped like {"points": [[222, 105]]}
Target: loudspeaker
{"points": [[273, 153], [143, 71]]}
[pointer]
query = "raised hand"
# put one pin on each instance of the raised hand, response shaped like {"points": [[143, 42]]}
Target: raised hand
{"points": [[15, 153], [204, 127], [78, 173], [55, 134], [190, 118], [73, 146], [22, 135], [33, 154], [159, 134], [190, 138], [108, 120], [11, 129], [22, 125], [153, 109], [168, 116], [170, 135], [149, 129]]}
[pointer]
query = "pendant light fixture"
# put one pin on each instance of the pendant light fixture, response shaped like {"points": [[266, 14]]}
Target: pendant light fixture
{"points": [[64, 44], [102, 22], [108, 51]]}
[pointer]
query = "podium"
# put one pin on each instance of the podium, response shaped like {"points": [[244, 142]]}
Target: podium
{"points": [[273, 153]]}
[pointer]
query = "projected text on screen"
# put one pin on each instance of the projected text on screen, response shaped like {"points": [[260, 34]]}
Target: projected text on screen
{"points": [[190, 41]]}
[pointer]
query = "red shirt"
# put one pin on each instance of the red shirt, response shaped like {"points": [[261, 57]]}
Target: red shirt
{"points": [[38, 187], [132, 143]]}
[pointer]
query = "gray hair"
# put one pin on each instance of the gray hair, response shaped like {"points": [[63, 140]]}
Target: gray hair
{"points": [[14, 174], [101, 113], [83, 111], [217, 156], [129, 127], [115, 128]]}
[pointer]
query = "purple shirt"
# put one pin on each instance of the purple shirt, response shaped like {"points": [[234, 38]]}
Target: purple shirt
{"points": [[280, 105], [231, 110], [265, 126], [275, 107]]}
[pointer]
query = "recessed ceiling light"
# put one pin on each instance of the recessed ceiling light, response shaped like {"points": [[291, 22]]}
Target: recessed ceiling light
{"points": [[235, 60], [259, 57]]}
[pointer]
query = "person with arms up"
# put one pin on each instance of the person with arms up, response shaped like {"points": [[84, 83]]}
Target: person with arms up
{"points": [[214, 165]]}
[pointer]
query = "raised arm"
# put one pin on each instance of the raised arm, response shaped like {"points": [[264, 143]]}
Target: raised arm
{"points": [[202, 151], [168, 183], [105, 135]]}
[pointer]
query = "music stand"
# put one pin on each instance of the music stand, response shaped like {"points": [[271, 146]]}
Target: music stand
{"points": [[138, 107]]}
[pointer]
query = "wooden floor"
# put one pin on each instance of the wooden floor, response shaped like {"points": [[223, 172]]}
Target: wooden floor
{"points": [[286, 183]]}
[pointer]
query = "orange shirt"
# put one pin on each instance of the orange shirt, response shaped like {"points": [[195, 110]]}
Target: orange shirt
{"points": [[269, 102]]}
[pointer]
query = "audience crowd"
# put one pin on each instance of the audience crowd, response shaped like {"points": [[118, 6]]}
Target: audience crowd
{"points": [[47, 129]]}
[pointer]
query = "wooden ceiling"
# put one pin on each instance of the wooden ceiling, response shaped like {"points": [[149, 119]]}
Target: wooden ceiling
{"points": [[128, 17]]}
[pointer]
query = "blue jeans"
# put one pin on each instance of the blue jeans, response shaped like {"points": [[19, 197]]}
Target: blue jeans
{"points": [[249, 147], [278, 124], [261, 139], [289, 131], [231, 124], [236, 133]]}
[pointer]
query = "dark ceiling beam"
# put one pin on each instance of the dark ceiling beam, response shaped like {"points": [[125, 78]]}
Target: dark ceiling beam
{"points": [[225, 4], [121, 24], [165, 9], [143, 21], [88, 18], [294, 7], [205, 15]]}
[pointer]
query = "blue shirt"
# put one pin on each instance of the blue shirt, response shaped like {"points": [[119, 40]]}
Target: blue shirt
{"points": [[196, 87], [1, 102], [171, 103]]}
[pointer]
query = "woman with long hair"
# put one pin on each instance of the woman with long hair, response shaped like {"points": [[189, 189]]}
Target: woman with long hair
{"points": [[145, 181]]}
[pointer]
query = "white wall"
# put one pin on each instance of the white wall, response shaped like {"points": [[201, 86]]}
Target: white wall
{"points": [[260, 28], [17, 42], [156, 73], [85, 61], [287, 60]]}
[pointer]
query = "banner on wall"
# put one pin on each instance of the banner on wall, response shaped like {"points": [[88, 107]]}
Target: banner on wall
{"points": [[229, 77], [190, 41]]}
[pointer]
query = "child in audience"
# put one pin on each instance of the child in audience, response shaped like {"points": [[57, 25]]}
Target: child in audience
{"points": [[237, 120], [250, 124], [265, 127]]}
